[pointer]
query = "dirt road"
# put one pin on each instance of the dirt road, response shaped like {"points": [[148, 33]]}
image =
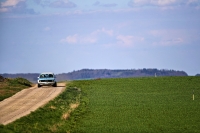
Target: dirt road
{"points": [[26, 101]]}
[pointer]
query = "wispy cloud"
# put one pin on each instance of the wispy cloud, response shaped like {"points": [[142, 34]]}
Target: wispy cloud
{"points": [[162, 3], [174, 41], [3, 9], [97, 3], [110, 5], [169, 37], [70, 39], [47, 28], [15, 6], [155, 38], [103, 30], [10, 3], [129, 40], [62, 4], [89, 38]]}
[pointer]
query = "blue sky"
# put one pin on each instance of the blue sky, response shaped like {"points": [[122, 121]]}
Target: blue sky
{"points": [[66, 35]]}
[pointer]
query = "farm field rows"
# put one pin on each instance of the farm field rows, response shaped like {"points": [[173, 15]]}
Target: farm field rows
{"points": [[137, 105]]}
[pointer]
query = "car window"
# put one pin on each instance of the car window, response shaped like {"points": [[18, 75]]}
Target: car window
{"points": [[50, 75], [46, 76], [42, 76]]}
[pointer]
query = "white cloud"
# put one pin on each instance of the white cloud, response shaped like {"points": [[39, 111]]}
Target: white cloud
{"points": [[74, 39], [70, 39], [164, 2], [103, 30], [138, 2], [8, 3], [129, 40], [16, 7], [104, 37], [88, 38]]}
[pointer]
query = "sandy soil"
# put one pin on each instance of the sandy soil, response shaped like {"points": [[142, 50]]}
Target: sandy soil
{"points": [[26, 101]]}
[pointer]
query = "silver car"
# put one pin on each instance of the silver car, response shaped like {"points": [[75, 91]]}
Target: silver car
{"points": [[47, 79]]}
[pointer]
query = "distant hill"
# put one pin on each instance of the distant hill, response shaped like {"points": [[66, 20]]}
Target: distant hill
{"points": [[101, 73], [197, 75], [106, 73]]}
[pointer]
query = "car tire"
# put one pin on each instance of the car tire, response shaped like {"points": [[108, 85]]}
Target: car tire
{"points": [[39, 85], [55, 84]]}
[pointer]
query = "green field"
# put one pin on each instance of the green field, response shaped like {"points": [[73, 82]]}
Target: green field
{"points": [[137, 105], [143, 105]]}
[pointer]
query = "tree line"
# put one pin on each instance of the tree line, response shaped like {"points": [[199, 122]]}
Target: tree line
{"points": [[102, 73]]}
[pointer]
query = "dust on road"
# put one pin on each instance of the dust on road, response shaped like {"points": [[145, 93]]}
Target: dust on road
{"points": [[26, 101]]}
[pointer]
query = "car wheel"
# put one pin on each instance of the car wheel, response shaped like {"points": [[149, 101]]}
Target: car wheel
{"points": [[39, 85], [55, 84]]}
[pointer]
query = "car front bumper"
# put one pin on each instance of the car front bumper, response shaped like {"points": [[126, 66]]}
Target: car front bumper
{"points": [[46, 82]]}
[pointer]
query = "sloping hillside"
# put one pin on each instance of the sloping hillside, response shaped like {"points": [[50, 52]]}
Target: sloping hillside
{"points": [[9, 87]]}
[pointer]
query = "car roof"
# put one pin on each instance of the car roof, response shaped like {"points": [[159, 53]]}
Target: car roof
{"points": [[47, 73]]}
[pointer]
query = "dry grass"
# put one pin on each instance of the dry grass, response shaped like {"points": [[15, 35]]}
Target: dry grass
{"points": [[73, 106], [52, 107], [53, 128], [3, 84]]}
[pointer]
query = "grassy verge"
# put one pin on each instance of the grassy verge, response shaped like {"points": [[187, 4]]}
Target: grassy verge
{"points": [[11, 86]]}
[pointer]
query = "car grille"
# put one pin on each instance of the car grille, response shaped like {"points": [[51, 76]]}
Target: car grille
{"points": [[46, 80]]}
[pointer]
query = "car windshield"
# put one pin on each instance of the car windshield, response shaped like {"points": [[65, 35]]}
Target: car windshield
{"points": [[46, 76]]}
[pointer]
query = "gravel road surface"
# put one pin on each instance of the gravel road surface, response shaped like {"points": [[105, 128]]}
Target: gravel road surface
{"points": [[27, 100]]}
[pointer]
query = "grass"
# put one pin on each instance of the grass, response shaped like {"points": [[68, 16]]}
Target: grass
{"points": [[138, 105], [142, 105], [10, 87]]}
